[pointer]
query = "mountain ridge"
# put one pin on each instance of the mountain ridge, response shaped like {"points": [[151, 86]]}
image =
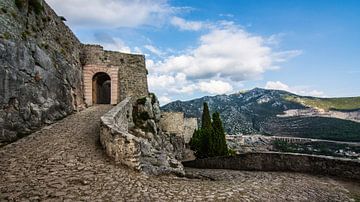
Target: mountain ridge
{"points": [[281, 113]]}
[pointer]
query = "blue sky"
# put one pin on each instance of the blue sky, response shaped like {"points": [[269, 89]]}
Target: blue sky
{"points": [[197, 48]]}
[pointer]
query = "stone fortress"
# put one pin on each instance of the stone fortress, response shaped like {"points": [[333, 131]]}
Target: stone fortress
{"points": [[48, 74], [109, 77]]}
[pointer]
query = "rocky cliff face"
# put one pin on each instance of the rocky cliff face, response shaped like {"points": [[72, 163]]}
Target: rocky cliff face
{"points": [[160, 151], [40, 70], [261, 111]]}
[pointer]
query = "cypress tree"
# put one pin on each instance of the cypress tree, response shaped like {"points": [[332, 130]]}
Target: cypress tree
{"points": [[207, 133], [206, 119], [209, 140], [219, 136]]}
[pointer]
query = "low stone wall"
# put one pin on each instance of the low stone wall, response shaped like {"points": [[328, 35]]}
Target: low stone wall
{"points": [[272, 161], [118, 143], [130, 135]]}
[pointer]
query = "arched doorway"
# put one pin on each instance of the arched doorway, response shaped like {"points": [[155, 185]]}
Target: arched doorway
{"points": [[101, 88]]}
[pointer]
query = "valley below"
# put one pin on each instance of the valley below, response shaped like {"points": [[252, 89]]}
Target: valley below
{"points": [[261, 143]]}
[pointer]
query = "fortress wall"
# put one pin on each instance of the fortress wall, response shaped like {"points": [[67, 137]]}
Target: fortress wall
{"points": [[172, 122], [285, 162], [190, 124], [132, 73]]}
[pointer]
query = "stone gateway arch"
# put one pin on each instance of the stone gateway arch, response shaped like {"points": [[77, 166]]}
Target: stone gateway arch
{"points": [[109, 77]]}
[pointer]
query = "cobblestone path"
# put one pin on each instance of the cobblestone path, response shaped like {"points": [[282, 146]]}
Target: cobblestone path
{"points": [[64, 162]]}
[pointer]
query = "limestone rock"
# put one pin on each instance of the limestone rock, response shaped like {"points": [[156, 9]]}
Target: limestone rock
{"points": [[159, 154], [40, 71]]}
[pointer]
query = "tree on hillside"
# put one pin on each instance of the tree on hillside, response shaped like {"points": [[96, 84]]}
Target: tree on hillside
{"points": [[209, 140]]}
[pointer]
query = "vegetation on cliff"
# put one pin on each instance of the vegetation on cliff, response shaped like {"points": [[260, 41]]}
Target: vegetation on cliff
{"points": [[209, 140]]}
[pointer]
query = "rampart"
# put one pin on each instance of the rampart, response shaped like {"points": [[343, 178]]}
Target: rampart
{"points": [[272, 161], [127, 71], [175, 123]]}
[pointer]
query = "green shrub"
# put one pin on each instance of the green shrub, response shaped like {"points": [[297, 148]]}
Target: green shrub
{"points": [[4, 10], [25, 34], [282, 146], [141, 101], [153, 98], [13, 14], [144, 116], [36, 6], [6, 35], [19, 4], [231, 152], [62, 18]]}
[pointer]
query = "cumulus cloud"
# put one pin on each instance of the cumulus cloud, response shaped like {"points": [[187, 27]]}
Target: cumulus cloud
{"points": [[154, 50], [300, 90], [183, 24], [223, 58], [112, 13], [277, 85], [164, 100], [111, 43], [215, 87], [227, 52]]}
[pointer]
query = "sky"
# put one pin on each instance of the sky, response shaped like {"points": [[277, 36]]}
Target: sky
{"points": [[198, 48]]}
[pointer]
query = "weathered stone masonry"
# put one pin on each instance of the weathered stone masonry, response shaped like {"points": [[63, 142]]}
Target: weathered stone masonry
{"points": [[127, 72], [176, 123], [47, 74]]}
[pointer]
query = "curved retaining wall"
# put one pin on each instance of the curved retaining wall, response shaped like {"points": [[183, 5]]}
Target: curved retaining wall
{"points": [[118, 143], [272, 161]]}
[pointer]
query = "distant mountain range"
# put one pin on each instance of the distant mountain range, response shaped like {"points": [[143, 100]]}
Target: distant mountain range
{"points": [[280, 113]]}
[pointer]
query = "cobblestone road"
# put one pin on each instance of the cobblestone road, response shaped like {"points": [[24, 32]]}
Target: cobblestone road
{"points": [[65, 162]]}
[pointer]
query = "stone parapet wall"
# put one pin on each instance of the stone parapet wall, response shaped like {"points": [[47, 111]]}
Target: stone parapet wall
{"points": [[136, 141], [272, 161], [118, 143]]}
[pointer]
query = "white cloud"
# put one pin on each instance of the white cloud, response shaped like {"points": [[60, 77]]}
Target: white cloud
{"points": [[215, 87], [117, 45], [164, 100], [182, 24], [154, 50], [226, 52], [277, 85], [112, 13], [224, 57], [300, 90]]}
